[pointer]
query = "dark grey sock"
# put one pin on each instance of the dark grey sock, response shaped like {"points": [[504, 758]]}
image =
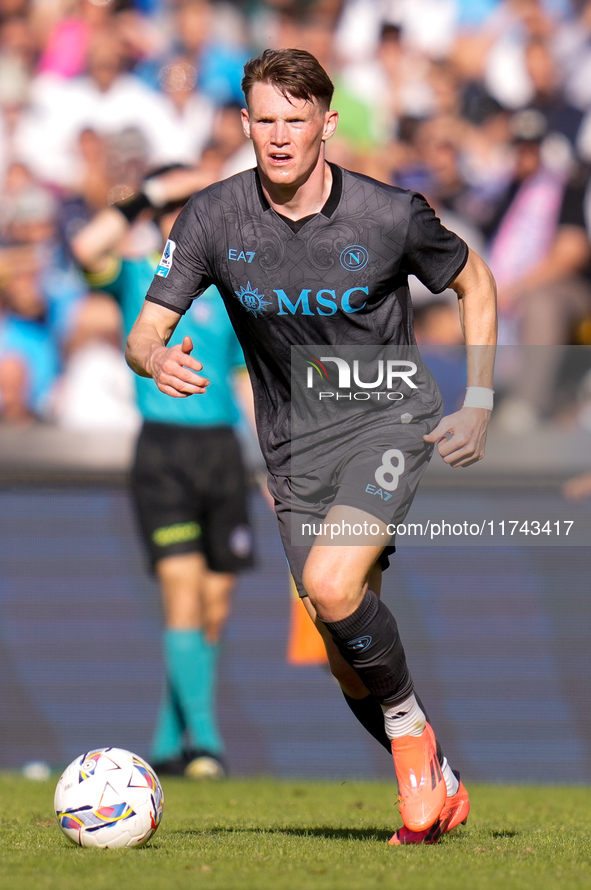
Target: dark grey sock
{"points": [[369, 713], [369, 641]]}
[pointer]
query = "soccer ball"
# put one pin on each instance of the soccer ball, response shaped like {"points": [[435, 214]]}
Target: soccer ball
{"points": [[109, 798]]}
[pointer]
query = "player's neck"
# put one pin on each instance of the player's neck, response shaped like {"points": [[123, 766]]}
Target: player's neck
{"points": [[303, 199]]}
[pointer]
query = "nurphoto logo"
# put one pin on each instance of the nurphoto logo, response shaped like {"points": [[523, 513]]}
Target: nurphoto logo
{"points": [[388, 374]]}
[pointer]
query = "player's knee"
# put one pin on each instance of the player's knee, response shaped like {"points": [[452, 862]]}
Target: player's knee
{"points": [[319, 584], [327, 590]]}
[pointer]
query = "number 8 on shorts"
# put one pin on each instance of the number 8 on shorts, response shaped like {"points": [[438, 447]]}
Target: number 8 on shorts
{"points": [[388, 474]]}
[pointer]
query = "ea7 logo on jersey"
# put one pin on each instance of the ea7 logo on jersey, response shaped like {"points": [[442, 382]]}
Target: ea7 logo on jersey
{"points": [[166, 261], [246, 255]]}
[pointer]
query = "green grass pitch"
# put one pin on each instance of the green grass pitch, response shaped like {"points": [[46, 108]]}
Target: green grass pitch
{"points": [[268, 835]]}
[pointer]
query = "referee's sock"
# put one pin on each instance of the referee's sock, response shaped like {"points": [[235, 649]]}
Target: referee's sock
{"points": [[167, 743], [191, 661]]}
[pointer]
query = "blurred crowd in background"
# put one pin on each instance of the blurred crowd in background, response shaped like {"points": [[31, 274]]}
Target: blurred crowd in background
{"points": [[483, 106]]}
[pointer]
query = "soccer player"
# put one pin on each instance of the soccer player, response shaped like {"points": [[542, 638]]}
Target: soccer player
{"points": [[188, 483], [305, 252]]}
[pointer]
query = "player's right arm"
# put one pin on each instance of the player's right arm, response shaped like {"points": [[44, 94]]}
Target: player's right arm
{"points": [[173, 369], [182, 276]]}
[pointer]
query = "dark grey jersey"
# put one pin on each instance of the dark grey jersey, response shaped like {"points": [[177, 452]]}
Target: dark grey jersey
{"points": [[337, 278]]}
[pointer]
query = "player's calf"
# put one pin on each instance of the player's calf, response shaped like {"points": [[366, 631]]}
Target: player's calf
{"points": [[369, 641]]}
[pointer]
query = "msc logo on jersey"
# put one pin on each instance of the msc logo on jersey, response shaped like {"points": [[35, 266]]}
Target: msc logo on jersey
{"points": [[323, 302], [166, 260], [251, 299], [354, 258]]}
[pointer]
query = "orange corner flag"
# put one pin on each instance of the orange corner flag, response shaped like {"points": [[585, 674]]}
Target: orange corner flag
{"points": [[304, 644]]}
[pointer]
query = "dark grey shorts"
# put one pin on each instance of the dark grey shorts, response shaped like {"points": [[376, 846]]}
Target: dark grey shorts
{"points": [[379, 475]]}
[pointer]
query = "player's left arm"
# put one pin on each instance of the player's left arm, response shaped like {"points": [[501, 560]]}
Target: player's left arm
{"points": [[461, 436]]}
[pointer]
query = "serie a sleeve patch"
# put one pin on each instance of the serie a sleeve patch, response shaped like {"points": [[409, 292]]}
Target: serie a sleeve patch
{"points": [[165, 263]]}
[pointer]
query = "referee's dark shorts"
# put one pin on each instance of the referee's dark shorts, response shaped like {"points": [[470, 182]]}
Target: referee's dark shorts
{"points": [[189, 489]]}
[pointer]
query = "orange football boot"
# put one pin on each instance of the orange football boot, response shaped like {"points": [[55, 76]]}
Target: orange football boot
{"points": [[421, 787], [455, 812]]}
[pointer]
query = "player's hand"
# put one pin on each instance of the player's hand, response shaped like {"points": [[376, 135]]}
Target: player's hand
{"points": [[461, 436], [175, 371]]}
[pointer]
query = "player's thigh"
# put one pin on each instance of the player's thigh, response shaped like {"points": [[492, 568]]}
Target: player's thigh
{"points": [[374, 486], [303, 503], [166, 503], [381, 478], [338, 565]]}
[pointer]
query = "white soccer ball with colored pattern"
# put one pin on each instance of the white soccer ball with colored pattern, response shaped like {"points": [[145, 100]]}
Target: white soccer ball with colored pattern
{"points": [[109, 797]]}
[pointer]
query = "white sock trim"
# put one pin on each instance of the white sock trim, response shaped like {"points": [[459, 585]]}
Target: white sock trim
{"points": [[405, 718], [451, 782]]}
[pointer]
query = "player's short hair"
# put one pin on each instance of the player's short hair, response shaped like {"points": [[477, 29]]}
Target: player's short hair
{"points": [[294, 72]]}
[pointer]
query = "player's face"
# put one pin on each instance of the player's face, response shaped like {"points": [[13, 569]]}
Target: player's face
{"points": [[287, 134]]}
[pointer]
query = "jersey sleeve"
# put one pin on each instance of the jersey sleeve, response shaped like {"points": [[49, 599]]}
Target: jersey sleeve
{"points": [[432, 253], [184, 270]]}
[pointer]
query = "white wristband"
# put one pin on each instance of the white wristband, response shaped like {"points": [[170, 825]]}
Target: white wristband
{"points": [[479, 397]]}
